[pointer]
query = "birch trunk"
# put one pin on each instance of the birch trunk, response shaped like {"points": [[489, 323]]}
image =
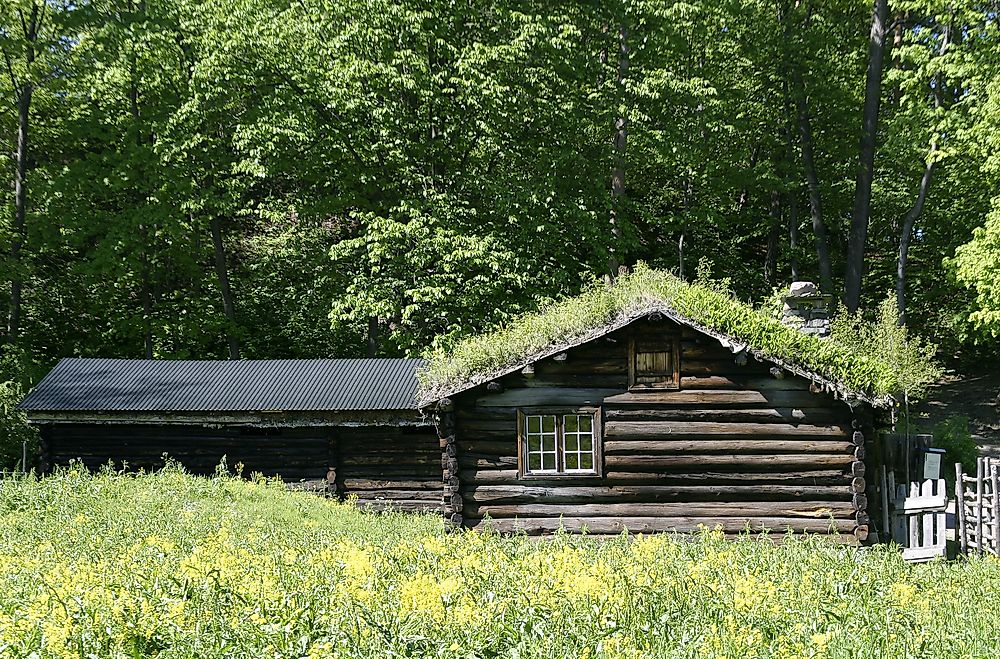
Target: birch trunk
{"points": [[620, 144]]}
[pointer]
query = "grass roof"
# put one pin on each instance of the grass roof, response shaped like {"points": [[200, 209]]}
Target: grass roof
{"points": [[854, 368]]}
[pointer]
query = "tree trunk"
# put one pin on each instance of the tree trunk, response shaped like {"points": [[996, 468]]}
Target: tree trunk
{"points": [[145, 293], [771, 257], [20, 209], [812, 182], [372, 337], [793, 235], [31, 28], [866, 158], [906, 233], [620, 143], [222, 273]]}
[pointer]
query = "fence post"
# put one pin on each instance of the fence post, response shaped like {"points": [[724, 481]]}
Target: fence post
{"points": [[960, 522], [979, 504], [996, 509]]}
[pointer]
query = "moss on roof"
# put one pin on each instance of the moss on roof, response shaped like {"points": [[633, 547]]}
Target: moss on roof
{"points": [[853, 369]]}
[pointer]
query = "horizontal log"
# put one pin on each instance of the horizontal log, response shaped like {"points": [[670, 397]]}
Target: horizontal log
{"points": [[615, 525], [698, 429], [392, 495], [652, 493], [722, 398], [385, 484], [486, 447], [700, 446], [398, 504], [546, 396], [583, 380], [390, 472], [482, 461], [817, 477], [729, 367], [774, 461], [792, 415], [742, 382], [741, 509], [413, 459]]}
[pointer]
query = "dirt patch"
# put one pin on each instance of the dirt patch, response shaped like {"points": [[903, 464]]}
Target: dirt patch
{"points": [[975, 396]]}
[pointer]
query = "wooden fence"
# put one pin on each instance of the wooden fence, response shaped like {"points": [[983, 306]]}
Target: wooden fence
{"points": [[977, 508], [919, 518]]}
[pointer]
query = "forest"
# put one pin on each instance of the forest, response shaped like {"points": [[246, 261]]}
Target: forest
{"points": [[322, 178]]}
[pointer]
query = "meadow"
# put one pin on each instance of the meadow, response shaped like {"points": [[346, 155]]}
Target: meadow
{"points": [[170, 565]]}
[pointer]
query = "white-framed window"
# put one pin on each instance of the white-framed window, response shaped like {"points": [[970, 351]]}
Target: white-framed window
{"points": [[559, 442]]}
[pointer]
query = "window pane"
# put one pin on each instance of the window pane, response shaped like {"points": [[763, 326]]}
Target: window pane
{"points": [[548, 460], [548, 423], [586, 424], [571, 442], [586, 461], [570, 423], [587, 443], [572, 461], [534, 424], [534, 461], [534, 443]]}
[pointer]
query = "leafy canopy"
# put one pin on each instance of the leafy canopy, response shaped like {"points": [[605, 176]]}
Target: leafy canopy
{"points": [[892, 365]]}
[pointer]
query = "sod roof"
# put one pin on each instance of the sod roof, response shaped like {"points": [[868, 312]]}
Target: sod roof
{"points": [[850, 374]]}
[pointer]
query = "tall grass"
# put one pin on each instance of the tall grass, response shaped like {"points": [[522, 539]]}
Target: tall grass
{"points": [[857, 363], [170, 565]]}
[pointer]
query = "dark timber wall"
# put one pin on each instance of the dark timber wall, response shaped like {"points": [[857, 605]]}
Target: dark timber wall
{"points": [[379, 465], [733, 445]]}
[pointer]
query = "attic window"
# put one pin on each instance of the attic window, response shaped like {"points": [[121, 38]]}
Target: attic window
{"points": [[558, 442], [654, 363]]}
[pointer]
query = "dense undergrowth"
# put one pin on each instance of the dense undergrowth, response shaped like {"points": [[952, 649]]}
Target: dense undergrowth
{"points": [[863, 356], [170, 565]]}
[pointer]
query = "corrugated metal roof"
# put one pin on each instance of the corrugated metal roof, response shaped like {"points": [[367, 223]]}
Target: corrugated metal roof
{"points": [[294, 385]]}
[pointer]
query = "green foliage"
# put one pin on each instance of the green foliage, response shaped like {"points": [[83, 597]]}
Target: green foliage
{"points": [[880, 360], [977, 265], [456, 156], [169, 565], [14, 429], [909, 358], [954, 437]]}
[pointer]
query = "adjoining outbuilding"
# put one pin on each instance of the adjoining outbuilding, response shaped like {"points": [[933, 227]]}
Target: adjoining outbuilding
{"points": [[345, 426], [648, 405]]}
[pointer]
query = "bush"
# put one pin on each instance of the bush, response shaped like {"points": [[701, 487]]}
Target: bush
{"points": [[14, 429], [954, 437]]}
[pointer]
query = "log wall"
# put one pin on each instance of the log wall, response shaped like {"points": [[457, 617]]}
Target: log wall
{"points": [[379, 466], [384, 466], [735, 445]]}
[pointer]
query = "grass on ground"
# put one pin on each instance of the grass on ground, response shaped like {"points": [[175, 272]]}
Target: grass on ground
{"points": [[170, 565]]}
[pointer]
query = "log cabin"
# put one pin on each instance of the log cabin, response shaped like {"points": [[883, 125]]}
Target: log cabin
{"points": [[666, 410], [651, 421], [347, 427]]}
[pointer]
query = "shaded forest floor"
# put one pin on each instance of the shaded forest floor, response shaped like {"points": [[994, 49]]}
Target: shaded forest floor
{"points": [[974, 394]]}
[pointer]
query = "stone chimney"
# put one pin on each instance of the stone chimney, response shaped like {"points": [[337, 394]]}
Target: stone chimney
{"points": [[806, 309]]}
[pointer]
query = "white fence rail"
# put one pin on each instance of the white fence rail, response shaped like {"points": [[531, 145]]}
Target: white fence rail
{"points": [[919, 521]]}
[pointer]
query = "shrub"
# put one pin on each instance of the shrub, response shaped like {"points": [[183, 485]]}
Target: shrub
{"points": [[14, 429], [954, 437]]}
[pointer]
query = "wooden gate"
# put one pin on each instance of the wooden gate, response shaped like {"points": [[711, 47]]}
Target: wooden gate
{"points": [[977, 508], [919, 522]]}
